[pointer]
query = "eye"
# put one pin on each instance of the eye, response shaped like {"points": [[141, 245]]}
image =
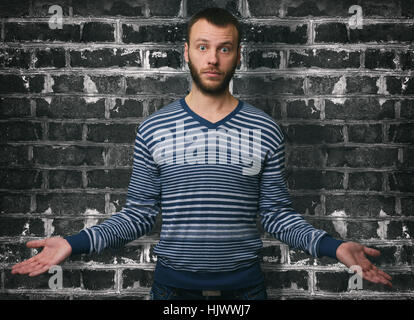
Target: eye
{"points": [[225, 49], [202, 47]]}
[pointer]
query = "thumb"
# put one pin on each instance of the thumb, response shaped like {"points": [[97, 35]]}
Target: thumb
{"points": [[36, 243], [371, 252]]}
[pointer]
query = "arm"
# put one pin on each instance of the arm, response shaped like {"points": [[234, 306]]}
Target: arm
{"points": [[280, 219], [136, 218]]}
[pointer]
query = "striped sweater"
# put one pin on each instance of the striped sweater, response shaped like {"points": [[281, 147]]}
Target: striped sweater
{"points": [[211, 181]]}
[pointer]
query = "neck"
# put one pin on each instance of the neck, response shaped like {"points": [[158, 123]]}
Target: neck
{"points": [[210, 103]]}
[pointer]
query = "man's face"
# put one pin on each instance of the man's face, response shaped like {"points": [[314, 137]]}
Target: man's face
{"points": [[212, 56]]}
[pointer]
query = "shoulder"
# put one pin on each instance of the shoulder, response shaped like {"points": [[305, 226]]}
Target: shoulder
{"points": [[161, 116], [264, 121]]}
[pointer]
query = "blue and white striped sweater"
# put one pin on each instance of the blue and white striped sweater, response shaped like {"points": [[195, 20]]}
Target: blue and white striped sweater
{"points": [[210, 181]]}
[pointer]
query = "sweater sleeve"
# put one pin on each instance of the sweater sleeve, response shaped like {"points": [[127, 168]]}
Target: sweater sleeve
{"points": [[279, 218], [136, 218]]}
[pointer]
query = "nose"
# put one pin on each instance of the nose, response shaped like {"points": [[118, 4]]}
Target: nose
{"points": [[212, 57]]}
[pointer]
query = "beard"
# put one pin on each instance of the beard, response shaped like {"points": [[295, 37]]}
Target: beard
{"points": [[213, 90]]}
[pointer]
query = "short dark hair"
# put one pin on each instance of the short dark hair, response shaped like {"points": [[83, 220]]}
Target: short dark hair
{"points": [[217, 16]]}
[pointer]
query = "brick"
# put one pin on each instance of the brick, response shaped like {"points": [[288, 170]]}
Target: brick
{"points": [[20, 131], [21, 179], [111, 132], [305, 156], [108, 8], [136, 279], [307, 205], [400, 85], [323, 58], [10, 83], [315, 180], [383, 33], [157, 84], [67, 83], [98, 279], [70, 203], [401, 181], [291, 279], [65, 179], [165, 58], [270, 254], [365, 133], [361, 85], [407, 254], [68, 155], [303, 109], [117, 202], [14, 155], [108, 84], [119, 156], [14, 203], [125, 108], [263, 8], [14, 8], [331, 32], [406, 60], [322, 85], [359, 109], [193, 6], [406, 109], [11, 253], [21, 227], [39, 32], [125, 255], [14, 107], [15, 58], [50, 57], [64, 227], [388, 255], [292, 34], [401, 282], [163, 33], [362, 157], [263, 59], [313, 134], [70, 279], [98, 32], [407, 8], [65, 131], [115, 178], [104, 58], [70, 107], [40, 8], [332, 281], [360, 205], [408, 158], [403, 133], [262, 85], [271, 106], [380, 59], [407, 206], [365, 181]]}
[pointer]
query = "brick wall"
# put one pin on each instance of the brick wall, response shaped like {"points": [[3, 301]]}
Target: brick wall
{"points": [[72, 98]]}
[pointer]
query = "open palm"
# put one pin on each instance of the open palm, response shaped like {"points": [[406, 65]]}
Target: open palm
{"points": [[353, 254], [55, 250]]}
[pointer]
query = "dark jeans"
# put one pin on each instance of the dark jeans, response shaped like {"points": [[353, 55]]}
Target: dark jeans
{"points": [[163, 292]]}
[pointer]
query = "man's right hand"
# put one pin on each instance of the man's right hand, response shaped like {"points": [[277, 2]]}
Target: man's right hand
{"points": [[55, 250]]}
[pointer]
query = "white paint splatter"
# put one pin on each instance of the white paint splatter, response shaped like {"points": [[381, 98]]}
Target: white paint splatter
{"points": [[339, 89], [382, 226], [48, 87], [382, 86], [48, 211], [25, 229], [405, 233], [48, 226], [340, 224]]}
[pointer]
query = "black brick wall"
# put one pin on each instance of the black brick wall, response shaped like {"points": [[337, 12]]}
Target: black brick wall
{"points": [[72, 98]]}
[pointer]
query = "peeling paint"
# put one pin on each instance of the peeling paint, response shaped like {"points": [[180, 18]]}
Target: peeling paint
{"points": [[88, 85], [90, 222], [25, 229], [112, 208], [340, 225], [382, 226], [302, 262], [90, 212], [405, 233], [382, 86], [48, 86], [48, 211], [271, 259], [340, 89], [48, 226]]}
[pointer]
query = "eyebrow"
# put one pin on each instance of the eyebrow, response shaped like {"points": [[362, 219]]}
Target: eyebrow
{"points": [[222, 43]]}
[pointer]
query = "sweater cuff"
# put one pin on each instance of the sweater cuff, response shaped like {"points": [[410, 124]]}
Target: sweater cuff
{"points": [[79, 242], [328, 246]]}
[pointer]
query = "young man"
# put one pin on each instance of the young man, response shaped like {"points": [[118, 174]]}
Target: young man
{"points": [[212, 162]]}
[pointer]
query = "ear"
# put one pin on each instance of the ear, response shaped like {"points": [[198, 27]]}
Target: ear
{"points": [[186, 51]]}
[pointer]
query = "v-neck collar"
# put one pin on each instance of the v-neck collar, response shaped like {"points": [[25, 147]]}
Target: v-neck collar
{"points": [[205, 121]]}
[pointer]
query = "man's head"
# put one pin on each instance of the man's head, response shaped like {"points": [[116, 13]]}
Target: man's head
{"points": [[213, 44]]}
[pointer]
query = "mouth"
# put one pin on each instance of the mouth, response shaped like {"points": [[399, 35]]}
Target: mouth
{"points": [[212, 73]]}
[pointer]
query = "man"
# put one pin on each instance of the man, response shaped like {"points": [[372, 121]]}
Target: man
{"points": [[210, 192]]}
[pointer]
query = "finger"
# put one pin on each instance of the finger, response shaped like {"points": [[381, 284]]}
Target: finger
{"points": [[23, 264], [39, 270], [372, 252], [36, 243]]}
